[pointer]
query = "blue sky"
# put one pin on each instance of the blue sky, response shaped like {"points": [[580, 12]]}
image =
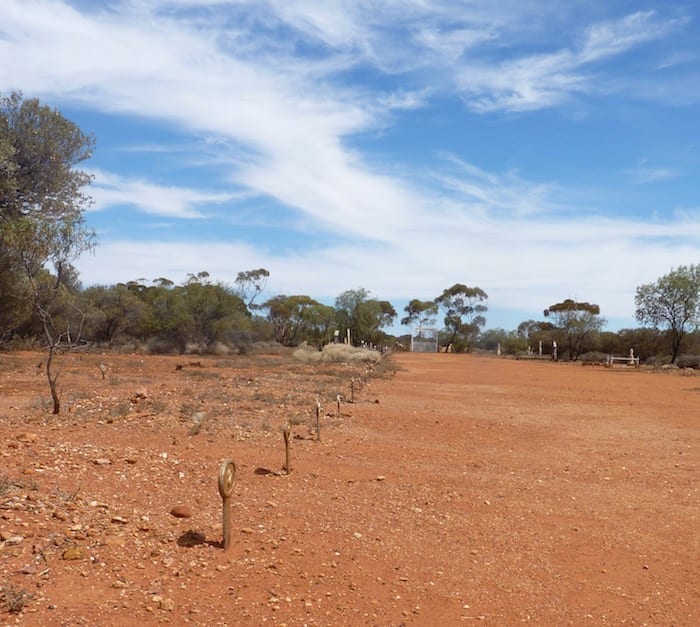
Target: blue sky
{"points": [[538, 150]]}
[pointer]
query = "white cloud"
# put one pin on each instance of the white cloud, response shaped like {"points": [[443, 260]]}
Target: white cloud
{"points": [[111, 190], [538, 81], [648, 174], [269, 87]]}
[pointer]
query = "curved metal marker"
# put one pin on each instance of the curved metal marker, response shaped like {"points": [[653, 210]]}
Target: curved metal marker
{"points": [[227, 478]]}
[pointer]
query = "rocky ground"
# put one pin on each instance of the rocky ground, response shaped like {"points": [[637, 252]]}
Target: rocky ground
{"points": [[454, 489]]}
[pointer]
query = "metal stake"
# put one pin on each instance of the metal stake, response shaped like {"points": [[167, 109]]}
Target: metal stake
{"points": [[227, 478]]}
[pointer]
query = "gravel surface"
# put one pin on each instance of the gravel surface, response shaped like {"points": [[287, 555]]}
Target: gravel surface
{"points": [[454, 489]]}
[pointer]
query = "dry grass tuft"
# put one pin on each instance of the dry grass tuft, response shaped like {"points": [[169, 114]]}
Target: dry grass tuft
{"points": [[14, 598], [337, 353]]}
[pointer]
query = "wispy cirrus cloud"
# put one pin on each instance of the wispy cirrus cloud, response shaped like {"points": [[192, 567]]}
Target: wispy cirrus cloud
{"points": [[276, 95], [112, 190], [650, 174], [531, 82]]}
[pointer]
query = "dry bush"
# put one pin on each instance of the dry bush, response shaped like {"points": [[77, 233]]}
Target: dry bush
{"points": [[337, 353], [269, 348], [15, 599]]}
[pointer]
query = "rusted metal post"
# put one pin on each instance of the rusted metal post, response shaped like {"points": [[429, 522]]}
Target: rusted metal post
{"points": [[318, 420], [227, 479], [352, 390], [286, 433]]}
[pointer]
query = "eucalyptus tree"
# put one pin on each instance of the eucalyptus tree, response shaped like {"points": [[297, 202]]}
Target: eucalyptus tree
{"points": [[113, 313], [537, 333], [419, 314], [577, 321], [42, 226], [463, 309], [298, 318], [214, 312], [672, 302], [250, 284], [363, 316]]}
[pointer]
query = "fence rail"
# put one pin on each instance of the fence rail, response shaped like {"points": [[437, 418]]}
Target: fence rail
{"points": [[628, 361]]}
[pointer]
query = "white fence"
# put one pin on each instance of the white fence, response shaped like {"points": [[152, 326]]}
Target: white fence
{"points": [[630, 360]]}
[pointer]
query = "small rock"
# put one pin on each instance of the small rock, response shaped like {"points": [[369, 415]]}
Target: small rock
{"points": [[75, 553], [114, 541], [166, 604], [27, 436], [181, 511], [102, 461], [357, 535]]}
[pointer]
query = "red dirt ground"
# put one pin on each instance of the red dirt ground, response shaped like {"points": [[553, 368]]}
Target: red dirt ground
{"points": [[457, 489]]}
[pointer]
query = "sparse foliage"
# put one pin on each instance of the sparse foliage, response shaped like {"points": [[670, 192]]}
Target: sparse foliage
{"points": [[252, 283], [420, 313]]}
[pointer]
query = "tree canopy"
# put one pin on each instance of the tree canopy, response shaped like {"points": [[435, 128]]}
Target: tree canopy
{"points": [[252, 283], [672, 302], [365, 317], [299, 318], [577, 321], [463, 308], [39, 149], [420, 313], [42, 199]]}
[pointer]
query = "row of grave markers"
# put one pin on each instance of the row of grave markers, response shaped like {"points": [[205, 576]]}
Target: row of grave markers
{"points": [[227, 469]]}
